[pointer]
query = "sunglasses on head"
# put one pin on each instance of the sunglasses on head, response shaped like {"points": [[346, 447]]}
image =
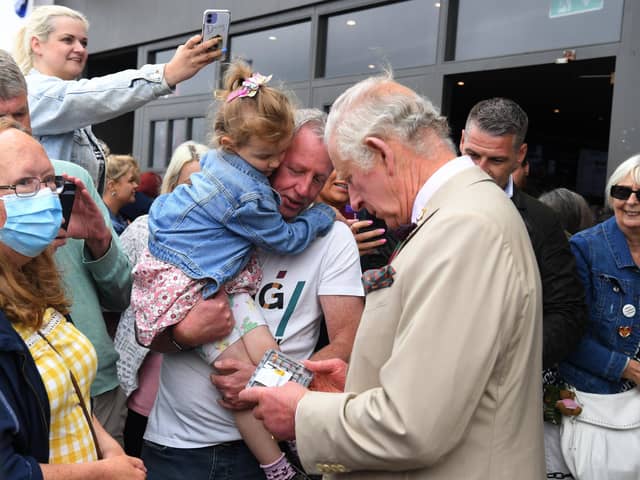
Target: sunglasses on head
{"points": [[623, 193]]}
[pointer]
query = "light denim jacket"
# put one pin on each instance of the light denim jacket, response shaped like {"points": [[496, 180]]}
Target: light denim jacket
{"points": [[62, 111], [612, 286], [209, 228]]}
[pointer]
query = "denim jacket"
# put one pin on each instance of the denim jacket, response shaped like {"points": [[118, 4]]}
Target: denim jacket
{"points": [[62, 111], [612, 286], [209, 228]]}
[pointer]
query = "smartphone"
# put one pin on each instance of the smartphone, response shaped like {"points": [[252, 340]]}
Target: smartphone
{"points": [[67, 197], [275, 369], [215, 23]]}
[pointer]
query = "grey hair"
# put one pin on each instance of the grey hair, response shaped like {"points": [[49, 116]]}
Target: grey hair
{"points": [[313, 118], [368, 109], [39, 24], [184, 153], [572, 209], [500, 116], [630, 166], [12, 82]]}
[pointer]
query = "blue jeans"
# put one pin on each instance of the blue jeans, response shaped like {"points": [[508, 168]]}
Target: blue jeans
{"points": [[226, 461]]}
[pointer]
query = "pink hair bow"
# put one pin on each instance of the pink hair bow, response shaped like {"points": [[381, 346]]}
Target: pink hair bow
{"points": [[249, 87]]}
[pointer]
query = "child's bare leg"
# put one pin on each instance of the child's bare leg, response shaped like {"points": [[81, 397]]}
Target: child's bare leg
{"points": [[258, 341], [257, 438]]}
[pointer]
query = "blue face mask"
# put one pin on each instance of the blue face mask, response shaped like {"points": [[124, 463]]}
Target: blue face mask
{"points": [[32, 222]]}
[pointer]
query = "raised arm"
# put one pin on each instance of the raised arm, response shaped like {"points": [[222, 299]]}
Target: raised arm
{"points": [[59, 106]]}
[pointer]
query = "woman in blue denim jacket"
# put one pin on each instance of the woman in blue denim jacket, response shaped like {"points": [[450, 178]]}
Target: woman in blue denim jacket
{"points": [[203, 237], [51, 50], [603, 440], [607, 257]]}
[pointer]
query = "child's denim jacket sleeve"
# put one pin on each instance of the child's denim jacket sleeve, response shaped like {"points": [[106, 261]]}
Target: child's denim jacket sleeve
{"points": [[612, 287], [62, 111], [209, 228]]}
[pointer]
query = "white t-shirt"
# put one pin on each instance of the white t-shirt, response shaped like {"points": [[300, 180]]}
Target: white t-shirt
{"points": [[186, 413]]}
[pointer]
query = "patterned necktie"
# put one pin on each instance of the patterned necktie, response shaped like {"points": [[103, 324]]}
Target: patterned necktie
{"points": [[377, 278]]}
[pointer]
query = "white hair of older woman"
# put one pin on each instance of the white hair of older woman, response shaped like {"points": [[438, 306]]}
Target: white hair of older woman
{"points": [[39, 24], [184, 153], [366, 110], [630, 166]]}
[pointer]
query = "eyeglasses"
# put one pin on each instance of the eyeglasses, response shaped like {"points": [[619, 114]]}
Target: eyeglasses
{"points": [[623, 193], [29, 186]]}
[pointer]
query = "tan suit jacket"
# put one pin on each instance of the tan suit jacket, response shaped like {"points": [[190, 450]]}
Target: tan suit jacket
{"points": [[444, 379]]}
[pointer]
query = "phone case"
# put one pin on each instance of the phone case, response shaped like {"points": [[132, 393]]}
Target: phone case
{"points": [[275, 369], [67, 197], [216, 23]]}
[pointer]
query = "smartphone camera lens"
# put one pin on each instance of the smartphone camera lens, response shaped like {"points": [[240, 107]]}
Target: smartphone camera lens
{"points": [[213, 18]]}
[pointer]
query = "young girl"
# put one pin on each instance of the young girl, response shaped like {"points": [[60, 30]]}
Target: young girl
{"points": [[201, 236]]}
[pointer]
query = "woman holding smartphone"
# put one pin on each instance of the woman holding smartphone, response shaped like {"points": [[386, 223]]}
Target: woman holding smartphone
{"points": [[51, 50]]}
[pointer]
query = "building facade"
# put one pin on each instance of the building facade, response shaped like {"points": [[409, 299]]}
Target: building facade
{"points": [[574, 65]]}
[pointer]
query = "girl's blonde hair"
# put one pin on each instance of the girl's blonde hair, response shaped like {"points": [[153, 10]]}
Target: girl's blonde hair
{"points": [[268, 115], [184, 153], [120, 165], [39, 24], [27, 291]]}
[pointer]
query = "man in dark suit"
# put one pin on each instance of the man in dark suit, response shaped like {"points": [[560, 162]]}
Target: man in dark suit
{"points": [[494, 139]]}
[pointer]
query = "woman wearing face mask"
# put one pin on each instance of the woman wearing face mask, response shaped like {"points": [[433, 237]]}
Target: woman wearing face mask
{"points": [[47, 430], [51, 50]]}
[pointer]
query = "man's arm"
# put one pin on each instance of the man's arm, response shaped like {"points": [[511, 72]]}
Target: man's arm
{"points": [[342, 316], [563, 306], [208, 321]]}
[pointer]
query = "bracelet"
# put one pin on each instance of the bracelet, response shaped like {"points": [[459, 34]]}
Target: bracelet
{"points": [[178, 345]]}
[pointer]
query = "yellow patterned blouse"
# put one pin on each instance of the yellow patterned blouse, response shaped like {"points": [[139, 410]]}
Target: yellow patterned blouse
{"points": [[70, 439]]}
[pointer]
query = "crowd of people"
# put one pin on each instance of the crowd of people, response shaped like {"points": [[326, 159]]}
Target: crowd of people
{"points": [[455, 326]]}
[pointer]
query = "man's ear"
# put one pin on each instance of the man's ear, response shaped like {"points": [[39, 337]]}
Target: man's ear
{"points": [[461, 145], [522, 152], [383, 151]]}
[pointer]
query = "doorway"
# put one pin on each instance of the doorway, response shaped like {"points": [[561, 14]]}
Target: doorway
{"points": [[117, 133], [569, 109]]}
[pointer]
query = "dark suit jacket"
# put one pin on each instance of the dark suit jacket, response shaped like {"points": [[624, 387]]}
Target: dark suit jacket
{"points": [[564, 311]]}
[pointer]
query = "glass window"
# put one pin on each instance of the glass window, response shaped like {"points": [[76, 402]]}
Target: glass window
{"points": [[159, 134], [518, 26], [403, 34], [204, 82], [284, 52], [199, 130]]}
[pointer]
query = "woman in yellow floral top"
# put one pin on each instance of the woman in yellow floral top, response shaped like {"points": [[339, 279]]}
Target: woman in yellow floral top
{"points": [[44, 390]]}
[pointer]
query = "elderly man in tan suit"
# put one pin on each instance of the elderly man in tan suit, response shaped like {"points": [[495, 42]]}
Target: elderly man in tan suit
{"points": [[443, 381]]}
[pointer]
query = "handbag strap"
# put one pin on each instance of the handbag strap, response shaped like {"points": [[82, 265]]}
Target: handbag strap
{"points": [[83, 405]]}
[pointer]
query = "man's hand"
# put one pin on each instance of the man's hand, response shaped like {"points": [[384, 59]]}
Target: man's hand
{"points": [[276, 407], [208, 321], [328, 375], [231, 378], [86, 221]]}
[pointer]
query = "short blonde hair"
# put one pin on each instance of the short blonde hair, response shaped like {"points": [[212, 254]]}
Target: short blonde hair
{"points": [[120, 165], [184, 153], [26, 292], [39, 24]]}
